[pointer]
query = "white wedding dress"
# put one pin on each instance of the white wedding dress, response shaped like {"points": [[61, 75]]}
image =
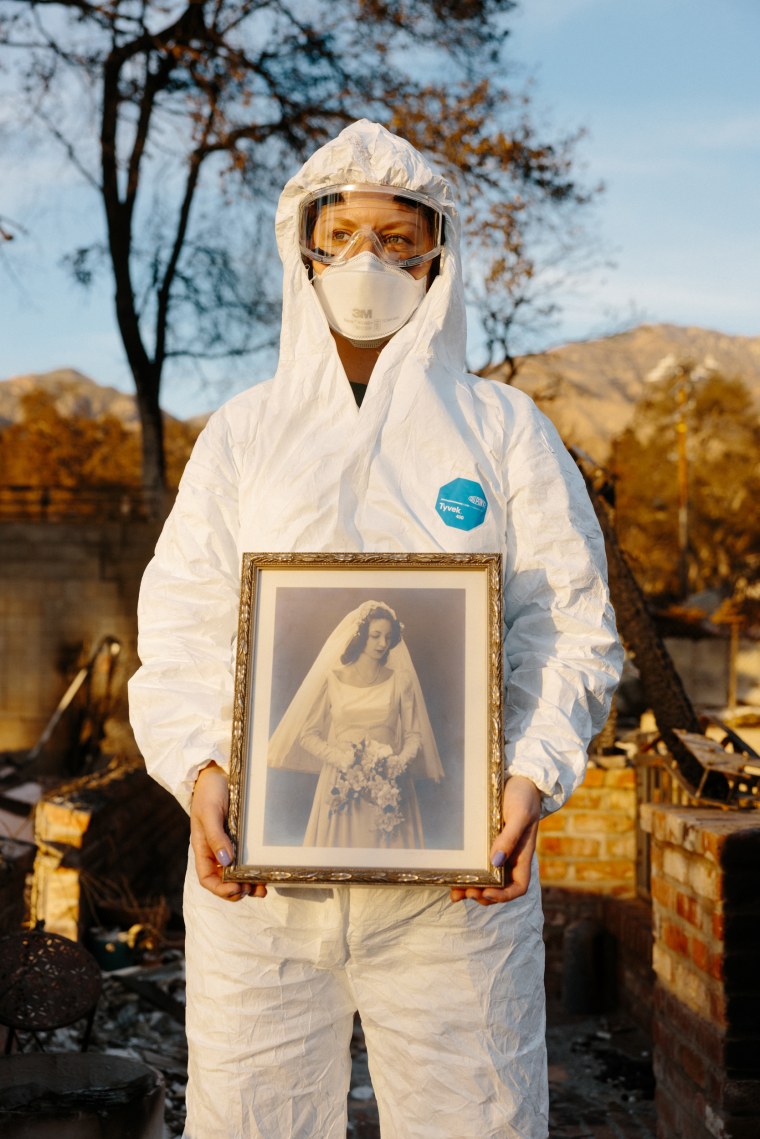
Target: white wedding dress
{"points": [[344, 713]]}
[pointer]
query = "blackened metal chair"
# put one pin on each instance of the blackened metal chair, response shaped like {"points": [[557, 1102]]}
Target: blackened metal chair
{"points": [[46, 982]]}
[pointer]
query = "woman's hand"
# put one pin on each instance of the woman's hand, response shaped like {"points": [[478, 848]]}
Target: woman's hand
{"points": [[513, 847], [342, 756], [211, 844]]}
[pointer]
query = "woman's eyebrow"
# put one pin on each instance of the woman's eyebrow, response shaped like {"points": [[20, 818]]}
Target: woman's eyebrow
{"points": [[402, 217]]}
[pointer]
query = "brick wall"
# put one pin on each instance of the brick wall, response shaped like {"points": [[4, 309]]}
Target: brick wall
{"points": [[629, 923], [590, 844], [587, 857], [63, 586], [706, 911]]}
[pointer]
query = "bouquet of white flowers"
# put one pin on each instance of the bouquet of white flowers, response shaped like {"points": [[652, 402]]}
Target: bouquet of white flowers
{"points": [[372, 775]]}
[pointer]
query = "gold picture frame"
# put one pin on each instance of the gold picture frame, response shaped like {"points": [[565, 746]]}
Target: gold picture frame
{"points": [[300, 816]]}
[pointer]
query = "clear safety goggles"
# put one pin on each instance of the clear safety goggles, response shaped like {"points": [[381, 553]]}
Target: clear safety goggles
{"points": [[401, 227]]}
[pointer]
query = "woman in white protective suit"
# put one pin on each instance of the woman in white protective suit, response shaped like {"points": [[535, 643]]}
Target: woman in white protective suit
{"points": [[449, 985], [359, 719]]}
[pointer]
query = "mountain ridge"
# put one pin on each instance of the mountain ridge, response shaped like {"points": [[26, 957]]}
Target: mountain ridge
{"points": [[588, 388]]}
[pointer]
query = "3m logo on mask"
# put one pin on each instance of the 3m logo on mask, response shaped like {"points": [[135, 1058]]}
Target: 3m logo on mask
{"points": [[462, 504], [362, 314]]}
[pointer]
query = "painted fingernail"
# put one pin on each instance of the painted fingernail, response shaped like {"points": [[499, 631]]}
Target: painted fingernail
{"points": [[498, 859], [223, 858]]}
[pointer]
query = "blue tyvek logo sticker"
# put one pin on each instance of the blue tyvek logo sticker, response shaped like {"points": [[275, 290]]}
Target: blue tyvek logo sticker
{"points": [[462, 503]]}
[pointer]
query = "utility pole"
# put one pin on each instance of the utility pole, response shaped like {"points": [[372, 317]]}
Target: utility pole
{"points": [[682, 395], [683, 376]]}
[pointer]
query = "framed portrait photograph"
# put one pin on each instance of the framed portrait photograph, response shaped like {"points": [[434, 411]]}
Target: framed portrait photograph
{"points": [[367, 724]]}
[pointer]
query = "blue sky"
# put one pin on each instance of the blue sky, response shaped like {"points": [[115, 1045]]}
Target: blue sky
{"points": [[669, 92]]}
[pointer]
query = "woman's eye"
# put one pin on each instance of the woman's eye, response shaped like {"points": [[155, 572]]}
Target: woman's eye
{"points": [[396, 239], [340, 235]]}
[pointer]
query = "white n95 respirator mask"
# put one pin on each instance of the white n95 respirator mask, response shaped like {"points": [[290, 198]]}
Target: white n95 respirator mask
{"points": [[366, 299]]}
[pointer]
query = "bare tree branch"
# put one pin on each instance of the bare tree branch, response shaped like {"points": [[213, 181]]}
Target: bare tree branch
{"points": [[195, 112]]}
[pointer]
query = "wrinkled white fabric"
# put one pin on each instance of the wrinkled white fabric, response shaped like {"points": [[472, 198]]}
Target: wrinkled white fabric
{"points": [[292, 464], [450, 997]]}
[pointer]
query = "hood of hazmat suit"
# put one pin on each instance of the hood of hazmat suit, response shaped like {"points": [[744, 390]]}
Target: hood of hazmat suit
{"points": [[435, 460]]}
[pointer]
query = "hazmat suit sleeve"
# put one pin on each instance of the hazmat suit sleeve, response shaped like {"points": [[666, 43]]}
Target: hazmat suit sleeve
{"points": [[562, 654], [181, 697]]}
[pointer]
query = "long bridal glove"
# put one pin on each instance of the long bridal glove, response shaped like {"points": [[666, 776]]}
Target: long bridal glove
{"points": [[341, 757], [399, 763]]}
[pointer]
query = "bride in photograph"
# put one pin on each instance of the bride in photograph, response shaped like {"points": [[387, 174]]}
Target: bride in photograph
{"points": [[359, 720]]}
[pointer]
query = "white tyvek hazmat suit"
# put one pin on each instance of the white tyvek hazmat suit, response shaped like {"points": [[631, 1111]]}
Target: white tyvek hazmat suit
{"points": [[451, 995]]}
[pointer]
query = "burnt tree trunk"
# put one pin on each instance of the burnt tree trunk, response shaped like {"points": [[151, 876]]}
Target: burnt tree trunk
{"points": [[153, 453], [663, 688], [119, 197]]}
